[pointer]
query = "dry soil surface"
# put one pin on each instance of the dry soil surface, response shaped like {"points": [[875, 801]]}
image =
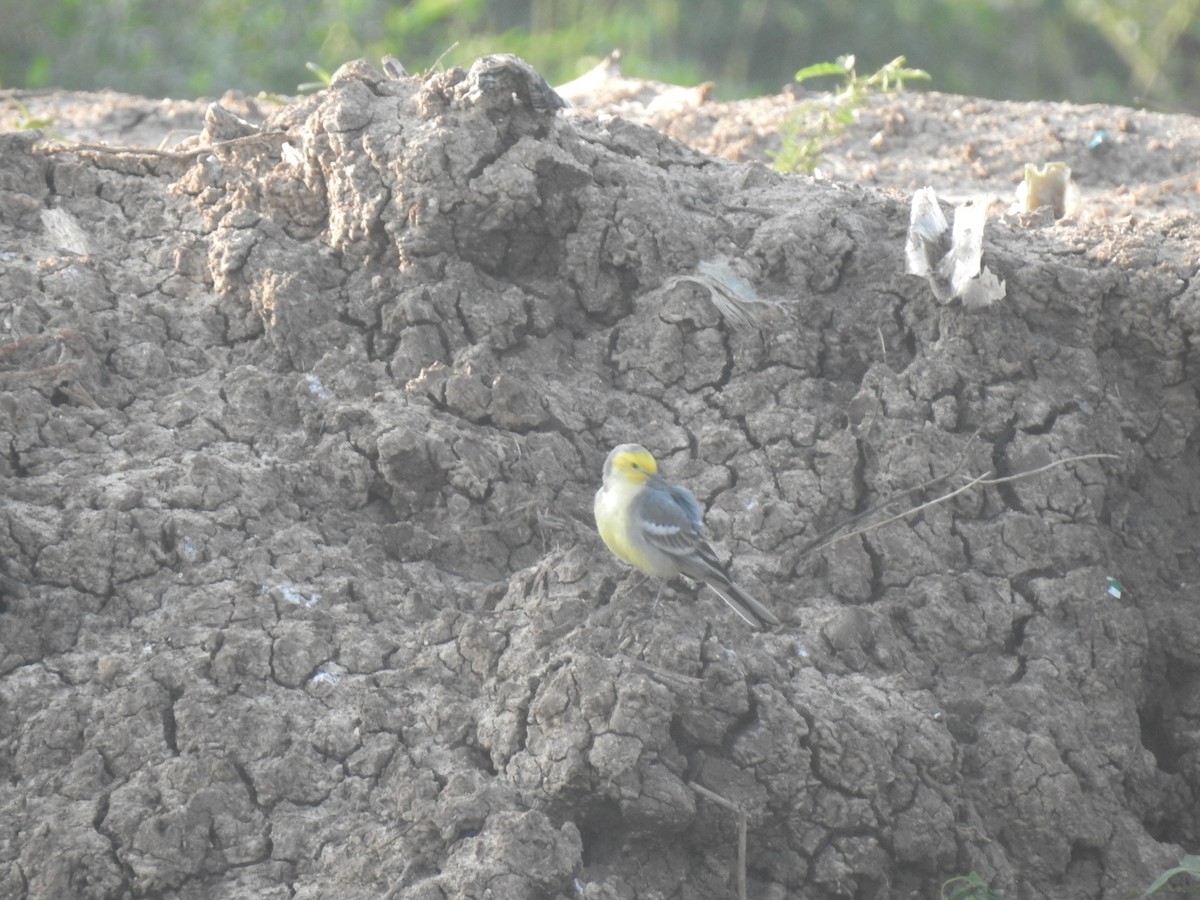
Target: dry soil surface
{"points": [[301, 416]]}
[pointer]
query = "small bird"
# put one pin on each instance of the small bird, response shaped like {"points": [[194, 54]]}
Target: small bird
{"points": [[658, 527]]}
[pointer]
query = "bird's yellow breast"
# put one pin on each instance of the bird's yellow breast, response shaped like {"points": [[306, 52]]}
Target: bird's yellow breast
{"points": [[613, 520], [619, 530]]}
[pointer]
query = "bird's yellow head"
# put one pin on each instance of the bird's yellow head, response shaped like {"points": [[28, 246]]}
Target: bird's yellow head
{"points": [[631, 463]]}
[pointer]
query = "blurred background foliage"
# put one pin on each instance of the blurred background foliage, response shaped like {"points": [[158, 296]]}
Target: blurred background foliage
{"points": [[1132, 52]]}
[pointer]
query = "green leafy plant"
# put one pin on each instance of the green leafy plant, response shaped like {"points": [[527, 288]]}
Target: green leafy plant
{"points": [[324, 79], [27, 120], [1189, 865], [816, 121], [967, 887]]}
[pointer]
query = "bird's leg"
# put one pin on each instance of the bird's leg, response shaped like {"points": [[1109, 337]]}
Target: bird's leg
{"points": [[658, 596], [627, 585]]}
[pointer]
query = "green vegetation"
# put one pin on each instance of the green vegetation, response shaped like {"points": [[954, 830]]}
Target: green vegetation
{"points": [[27, 121], [967, 887], [815, 121], [1081, 50], [324, 79], [1189, 865], [973, 887]]}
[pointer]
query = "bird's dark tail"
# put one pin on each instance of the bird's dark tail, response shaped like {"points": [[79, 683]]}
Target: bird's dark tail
{"points": [[704, 566], [755, 614]]}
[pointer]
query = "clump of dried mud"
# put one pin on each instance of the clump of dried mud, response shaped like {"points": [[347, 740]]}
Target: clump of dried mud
{"points": [[300, 421]]}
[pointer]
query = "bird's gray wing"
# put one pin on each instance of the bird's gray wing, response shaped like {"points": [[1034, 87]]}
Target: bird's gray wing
{"points": [[684, 538], [670, 518]]}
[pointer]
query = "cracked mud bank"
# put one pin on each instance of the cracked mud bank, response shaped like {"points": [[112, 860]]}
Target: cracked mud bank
{"points": [[300, 422]]}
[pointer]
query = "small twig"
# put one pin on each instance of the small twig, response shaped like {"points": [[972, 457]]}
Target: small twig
{"points": [[73, 363], [676, 678], [1052, 465], [1169, 185], [437, 62], [742, 829], [904, 515], [155, 153], [985, 478], [818, 542]]}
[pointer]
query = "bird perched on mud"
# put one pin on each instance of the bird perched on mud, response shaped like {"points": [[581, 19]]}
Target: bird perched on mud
{"points": [[658, 527]]}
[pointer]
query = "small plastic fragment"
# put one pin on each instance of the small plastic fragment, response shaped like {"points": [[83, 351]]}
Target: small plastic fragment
{"points": [[1049, 185], [951, 259]]}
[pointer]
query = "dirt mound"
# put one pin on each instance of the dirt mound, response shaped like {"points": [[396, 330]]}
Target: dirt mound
{"points": [[300, 423]]}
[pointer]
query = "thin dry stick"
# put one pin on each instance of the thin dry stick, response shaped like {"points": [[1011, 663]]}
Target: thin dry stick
{"points": [[981, 479], [817, 543], [437, 62], [742, 828], [1052, 465], [154, 153], [904, 515], [676, 678]]}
